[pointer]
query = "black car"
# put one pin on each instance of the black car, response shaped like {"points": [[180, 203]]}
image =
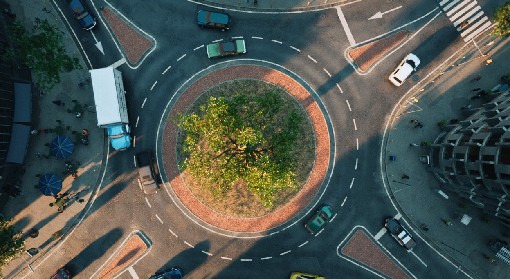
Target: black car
{"points": [[62, 273], [173, 273], [86, 20], [208, 19]]}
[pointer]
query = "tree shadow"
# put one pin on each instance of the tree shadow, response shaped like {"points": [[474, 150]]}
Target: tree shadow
{"points": [[94, 251]]}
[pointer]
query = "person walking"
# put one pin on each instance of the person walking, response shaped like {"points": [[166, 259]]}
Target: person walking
{"points": [[405, 176]]}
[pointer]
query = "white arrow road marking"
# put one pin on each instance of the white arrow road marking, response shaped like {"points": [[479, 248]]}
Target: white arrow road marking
{"points": [[380, 14], [98, 43], [422, 262], [380, 233], [132, 271]]}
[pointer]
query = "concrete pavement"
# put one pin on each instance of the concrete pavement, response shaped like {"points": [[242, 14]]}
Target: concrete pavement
{"points": [[441, 98], [31, 209]]}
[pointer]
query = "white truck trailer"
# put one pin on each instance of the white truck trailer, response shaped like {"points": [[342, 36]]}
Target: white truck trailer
{"points": [[110, 99]]}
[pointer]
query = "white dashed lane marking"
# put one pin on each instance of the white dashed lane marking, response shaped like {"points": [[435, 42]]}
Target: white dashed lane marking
{"points": [[166, 70], [348, 105], [137, 119], [238, 37], [226, 258], [333, 218], [145, 100], [246, 260], [275, 41], [319, 232], [146, 199], [356, 166], [352, 183], [178, 59], [357, 144], [258, 38], [286, 252], [172, 232], [354, 122], [159, 219], [343, 201], [295, 48], [266, 258], [215, 41], [207, 253], [154, 84], [311, 58], [327, 73], [198, 47], [185, 242], [303, 244]]}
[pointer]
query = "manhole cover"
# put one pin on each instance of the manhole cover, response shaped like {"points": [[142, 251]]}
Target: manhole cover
{"points": [[415, 77]]}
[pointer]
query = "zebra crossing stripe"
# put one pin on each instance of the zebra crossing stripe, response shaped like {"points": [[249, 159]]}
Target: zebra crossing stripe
{"points": [[471, 20], [447, 7], [480, 30], [443, 2], [471, 28], [461, 12], [458, 7], [468, 15]]}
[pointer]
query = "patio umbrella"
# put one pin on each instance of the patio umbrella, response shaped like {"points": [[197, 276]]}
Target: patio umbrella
{"points": [[50, 184], [62, 147]]}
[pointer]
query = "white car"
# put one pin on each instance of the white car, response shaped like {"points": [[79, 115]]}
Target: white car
{"points": [[404, 69]]}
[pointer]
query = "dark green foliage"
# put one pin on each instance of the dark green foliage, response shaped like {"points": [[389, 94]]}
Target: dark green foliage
{"points": [[502, 17], [243, 138], [11, 243], [42, 50]]}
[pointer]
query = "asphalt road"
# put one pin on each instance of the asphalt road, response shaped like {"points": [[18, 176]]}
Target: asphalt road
{"points": [[357, 116]]}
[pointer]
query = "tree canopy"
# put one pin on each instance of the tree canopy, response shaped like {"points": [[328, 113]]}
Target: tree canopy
{"points": [[42, 50], [243, 139], [11, 243], [502, 17]]}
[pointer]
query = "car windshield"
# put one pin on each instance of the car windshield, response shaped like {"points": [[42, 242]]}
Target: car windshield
{"points": [[411, 62]]}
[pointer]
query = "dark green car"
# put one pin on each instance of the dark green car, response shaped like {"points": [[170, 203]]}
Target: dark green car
{"points": [[216, 20], [319, 219]]}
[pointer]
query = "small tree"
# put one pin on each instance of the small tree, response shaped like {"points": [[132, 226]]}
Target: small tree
{"points": [[43, 51], [502, 17], [11, 243]]}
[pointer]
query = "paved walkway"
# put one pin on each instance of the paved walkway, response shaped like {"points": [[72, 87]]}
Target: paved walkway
{"points": [[30, 209], [418, 196]]}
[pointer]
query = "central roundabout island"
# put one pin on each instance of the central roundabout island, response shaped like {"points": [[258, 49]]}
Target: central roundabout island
{"points": [[245, 148]]}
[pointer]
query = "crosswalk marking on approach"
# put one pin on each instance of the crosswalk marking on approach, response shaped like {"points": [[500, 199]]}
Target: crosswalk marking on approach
{"points": [[466, 16]]}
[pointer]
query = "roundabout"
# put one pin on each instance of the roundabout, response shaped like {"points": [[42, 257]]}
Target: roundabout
{"points": [[289, 213]]}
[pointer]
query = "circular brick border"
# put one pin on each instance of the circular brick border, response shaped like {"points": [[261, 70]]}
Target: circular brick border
{"points": [[303, 197]]}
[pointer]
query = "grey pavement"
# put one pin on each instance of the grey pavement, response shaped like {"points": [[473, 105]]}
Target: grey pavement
{"points": [[418, 197], [31, 209]]}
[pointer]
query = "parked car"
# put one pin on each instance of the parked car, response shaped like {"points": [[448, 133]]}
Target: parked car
{"points": [[209, 19], [319, 219], [221, 49], [62, 273], [302, 275], [147, 172], [400, 234], [404, 69], [86, 19], [173, 273]]}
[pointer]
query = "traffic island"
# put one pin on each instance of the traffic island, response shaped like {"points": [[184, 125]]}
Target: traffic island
{"points": [[134, 44], [365, 56], [132, 249]]}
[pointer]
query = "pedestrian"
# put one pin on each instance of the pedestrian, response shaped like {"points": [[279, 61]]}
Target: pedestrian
{"points": [[405, 176], [413, 144], [38, 155], [483, 93], [477, 89], [51, 204], [476, 97], [85, 132], [418, 125], [414, 120]]}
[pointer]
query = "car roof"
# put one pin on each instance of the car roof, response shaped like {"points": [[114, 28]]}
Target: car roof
{"points": [[203, 17]]}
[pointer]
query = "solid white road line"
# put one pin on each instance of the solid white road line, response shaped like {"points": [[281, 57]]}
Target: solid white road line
{"points": [[380, 233], [178, 59], [154, 84], [352, 183], [315, 61], [275, 41], [145, 100], [146, 199], [347, 30], [132, 272], [118, 63], [421, 261]]}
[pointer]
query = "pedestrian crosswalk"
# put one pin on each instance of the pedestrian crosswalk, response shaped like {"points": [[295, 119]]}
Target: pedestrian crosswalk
{"points": [[467, 16]]}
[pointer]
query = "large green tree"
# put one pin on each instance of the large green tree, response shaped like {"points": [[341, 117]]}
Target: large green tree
{"points": [[11, 243], [502, 17], [42, 50], [243, 139]]}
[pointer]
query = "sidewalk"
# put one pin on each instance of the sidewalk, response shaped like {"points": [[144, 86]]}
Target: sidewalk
{"points": [[31, 208], [417, 196], [272, 5]]}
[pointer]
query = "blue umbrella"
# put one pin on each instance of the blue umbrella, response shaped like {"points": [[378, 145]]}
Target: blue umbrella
{"points": [[62, 147], [50, 184]]}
